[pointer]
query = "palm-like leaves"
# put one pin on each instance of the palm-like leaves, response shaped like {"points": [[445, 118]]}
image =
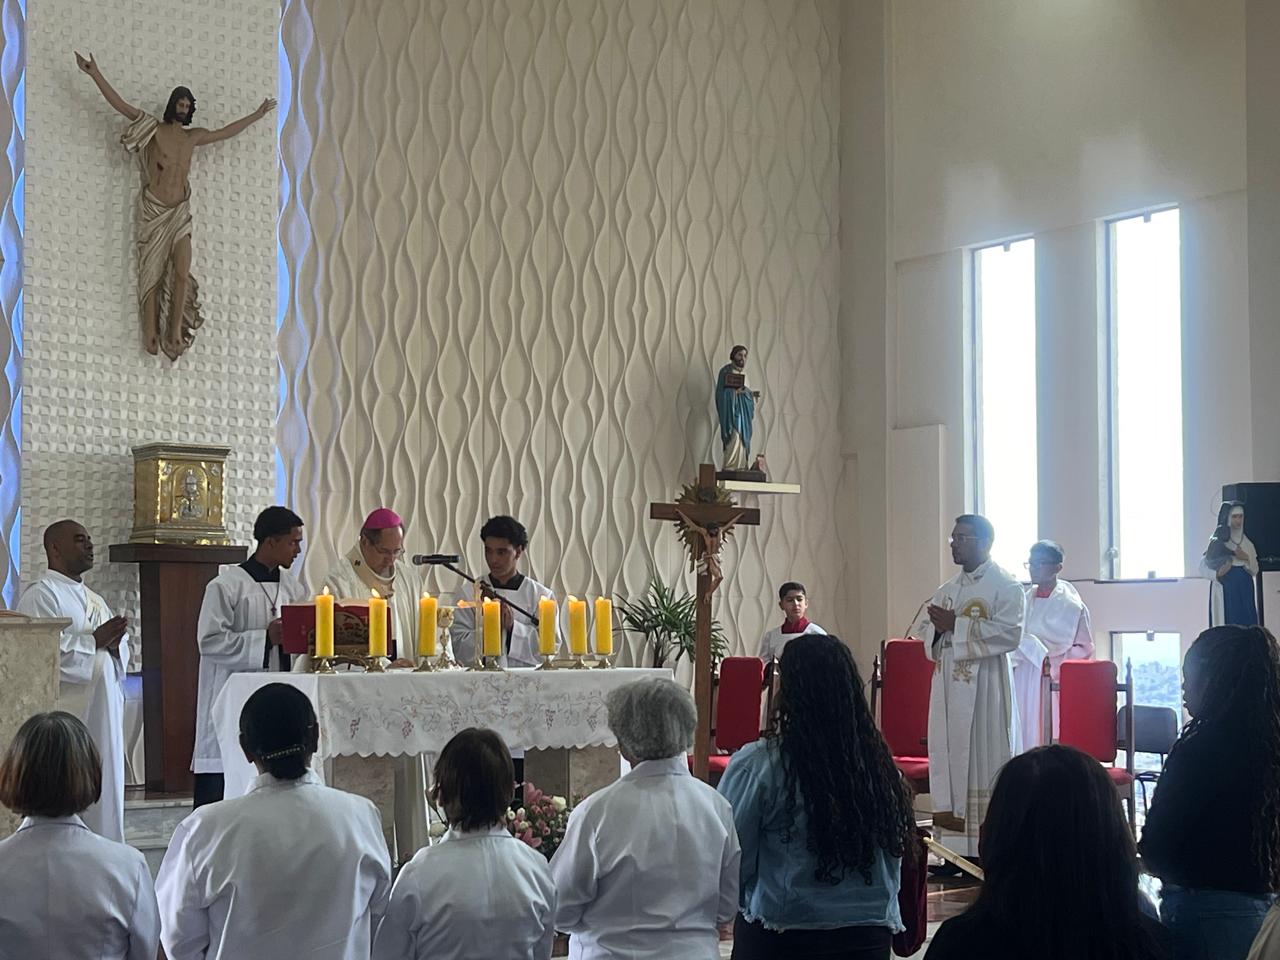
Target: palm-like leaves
{"points": [[668, 619]]}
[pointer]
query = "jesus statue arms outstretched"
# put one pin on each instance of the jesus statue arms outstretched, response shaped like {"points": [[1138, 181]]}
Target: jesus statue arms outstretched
{"points": [[166, 147]]}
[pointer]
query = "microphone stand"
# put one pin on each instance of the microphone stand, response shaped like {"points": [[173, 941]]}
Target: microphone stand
{"points": [[472, 580]]}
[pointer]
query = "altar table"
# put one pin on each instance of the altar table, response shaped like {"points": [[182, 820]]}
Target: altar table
{"points": [[402, 712]]}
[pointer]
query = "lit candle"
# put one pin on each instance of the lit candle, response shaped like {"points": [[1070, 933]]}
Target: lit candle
{"points": [[577, 626], [492, 611], [604, 627], [547, 627], [377, 626], [324, 624], [427, 606]]}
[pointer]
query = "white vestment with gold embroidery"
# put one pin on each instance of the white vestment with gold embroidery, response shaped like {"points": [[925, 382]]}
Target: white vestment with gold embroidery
{"points": [[971, 704]]}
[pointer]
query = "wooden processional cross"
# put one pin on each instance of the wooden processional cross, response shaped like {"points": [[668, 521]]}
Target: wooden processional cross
{"points": [[710, 519]]}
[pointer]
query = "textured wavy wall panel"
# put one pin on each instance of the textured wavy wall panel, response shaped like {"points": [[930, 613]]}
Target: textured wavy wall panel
{"points": [[518, 239], [90, 392], [13, 62]]}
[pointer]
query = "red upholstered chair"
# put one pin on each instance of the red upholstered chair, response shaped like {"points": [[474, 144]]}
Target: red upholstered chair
{"points": [[736, 717], [901, 681], [1087, 719]]}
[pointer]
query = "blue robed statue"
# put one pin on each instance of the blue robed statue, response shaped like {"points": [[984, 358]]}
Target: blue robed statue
{"points": [[736, 408]]}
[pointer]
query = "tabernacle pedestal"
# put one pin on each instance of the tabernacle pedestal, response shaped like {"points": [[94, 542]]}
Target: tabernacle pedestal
{"points": [[172, 578]]}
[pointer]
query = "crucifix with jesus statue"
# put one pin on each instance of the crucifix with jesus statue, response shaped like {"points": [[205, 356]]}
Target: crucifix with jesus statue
{"points": [[705, 516]]}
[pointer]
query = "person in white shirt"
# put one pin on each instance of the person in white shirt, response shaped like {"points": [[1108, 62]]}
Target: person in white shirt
{"points": [[65, 892], [1057, 628], [649, 865], [93, 661], [240, 630], [291, 869], [793, 601], [505, 540], [970, 627], [480, 894]]}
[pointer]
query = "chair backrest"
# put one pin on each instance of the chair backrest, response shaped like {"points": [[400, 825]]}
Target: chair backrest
{"points": [[738, 702], [1155, 729], [906, 679], [1087, 707]]}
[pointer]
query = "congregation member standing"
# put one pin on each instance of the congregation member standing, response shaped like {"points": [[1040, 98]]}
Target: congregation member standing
{"points": [[93, 659], [1212, 834], [65, 892], [648, 868], [1061, 872], [293, 869], [480, 893], [793, 601], [505, 541], [240, 630], [1057, 629], [823, 816], [971, 626]]}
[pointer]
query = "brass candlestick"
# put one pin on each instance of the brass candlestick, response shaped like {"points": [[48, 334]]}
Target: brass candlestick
{"points": [[375, 664], [322, 665], [548, 662], [491, 665], [425, 666], [606, 661], [579, 662]]}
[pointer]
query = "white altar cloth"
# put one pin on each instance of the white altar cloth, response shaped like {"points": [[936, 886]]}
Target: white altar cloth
{"points": [[402, 712]]}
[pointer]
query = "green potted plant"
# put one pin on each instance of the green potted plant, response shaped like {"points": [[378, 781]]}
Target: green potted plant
{"points": [[667, 618]]}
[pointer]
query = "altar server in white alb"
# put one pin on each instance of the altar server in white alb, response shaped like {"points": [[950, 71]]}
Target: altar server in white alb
{"points": [[480, 892], [376, 562], [93, 660], [1057, 628], [649, 866], [505, 540], [970, 627], [291, 869], [793, 601], [239, 630]]}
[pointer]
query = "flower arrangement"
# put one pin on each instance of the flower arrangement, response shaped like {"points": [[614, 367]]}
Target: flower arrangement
{"points": [[541, 821]]}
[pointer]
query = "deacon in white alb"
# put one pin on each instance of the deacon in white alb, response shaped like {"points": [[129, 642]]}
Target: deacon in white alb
{"points": [[970, 627], [1057, 628], [239, 630], [505, 540], [376, 562], [93, 661], [291, 869], [649, 865], [793, 601], [480, 890]]}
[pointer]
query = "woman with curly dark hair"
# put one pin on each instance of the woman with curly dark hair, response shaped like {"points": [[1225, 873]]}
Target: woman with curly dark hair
{"points": [[823, 817], [1213, 832], [1061, 871]]}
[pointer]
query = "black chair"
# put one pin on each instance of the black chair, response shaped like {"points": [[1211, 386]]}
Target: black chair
{"points": [[1155, 729]]}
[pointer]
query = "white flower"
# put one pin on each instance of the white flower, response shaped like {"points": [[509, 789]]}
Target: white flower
{"points": [[437, 829], [559, 803], [520, 813], [511, 814]]}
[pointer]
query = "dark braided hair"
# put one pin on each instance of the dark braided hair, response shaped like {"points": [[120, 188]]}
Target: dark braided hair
{"points": [[836, 763], [1237, 670]]}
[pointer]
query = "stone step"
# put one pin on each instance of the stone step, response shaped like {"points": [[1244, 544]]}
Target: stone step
{"points": [[149, 824]]}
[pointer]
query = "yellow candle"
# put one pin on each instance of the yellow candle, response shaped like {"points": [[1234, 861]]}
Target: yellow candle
{"points": [[577, 626], [377, 626], [427, 606], [604, 627], [492, 611], [547, 627], [324, 624]]}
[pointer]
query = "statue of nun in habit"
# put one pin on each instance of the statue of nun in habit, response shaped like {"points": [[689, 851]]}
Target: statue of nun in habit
{"points": [[1230, 563]]}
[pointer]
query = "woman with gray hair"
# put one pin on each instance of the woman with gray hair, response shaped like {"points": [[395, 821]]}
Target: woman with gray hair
{"points": [[649, 864]]}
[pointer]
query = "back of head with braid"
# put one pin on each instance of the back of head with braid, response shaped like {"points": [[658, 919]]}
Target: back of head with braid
{"points": [[1233, 677], [836, 763]]}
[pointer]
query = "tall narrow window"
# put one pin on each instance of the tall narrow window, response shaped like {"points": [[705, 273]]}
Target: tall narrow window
{"points": [[1003, 381], [1146, 396]]}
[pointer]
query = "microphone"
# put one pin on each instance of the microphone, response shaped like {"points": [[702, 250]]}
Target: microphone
{"points": [[434, 559]]}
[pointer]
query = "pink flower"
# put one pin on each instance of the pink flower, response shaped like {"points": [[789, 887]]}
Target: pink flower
{"points": [[546, 831]]}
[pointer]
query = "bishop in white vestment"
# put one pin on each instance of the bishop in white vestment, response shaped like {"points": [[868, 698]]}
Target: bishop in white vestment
{"points": [[971, 626], [239, 630], [1057, 628], [505, 540], [93, 660]]}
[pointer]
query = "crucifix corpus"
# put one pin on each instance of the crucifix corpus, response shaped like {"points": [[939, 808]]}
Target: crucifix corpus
{"points": [[705, 515]]}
